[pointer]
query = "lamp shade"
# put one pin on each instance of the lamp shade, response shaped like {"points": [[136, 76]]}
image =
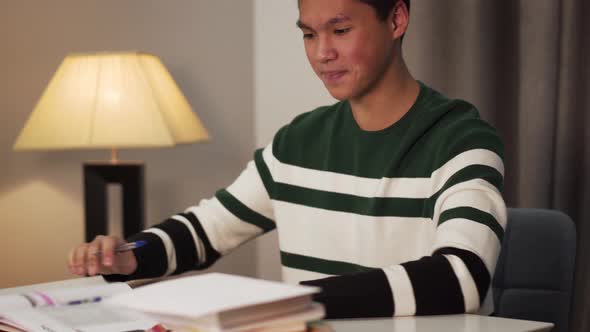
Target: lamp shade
{"points": [[110, 100]]}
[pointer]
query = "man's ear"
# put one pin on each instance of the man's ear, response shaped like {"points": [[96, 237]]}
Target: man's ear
{"points": [[399, 19]]}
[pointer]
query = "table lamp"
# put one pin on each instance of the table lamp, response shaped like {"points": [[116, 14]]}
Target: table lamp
{"points": [[111, 101]]}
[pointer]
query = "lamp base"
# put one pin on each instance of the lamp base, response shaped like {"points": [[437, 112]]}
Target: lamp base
{"points": [[96, 178]]}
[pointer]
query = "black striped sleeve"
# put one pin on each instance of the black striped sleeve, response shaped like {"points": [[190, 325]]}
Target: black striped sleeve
{"points": [[211, 255], [435, 287], [364, 294], [476, 267], [152, 259], [184, 246]]}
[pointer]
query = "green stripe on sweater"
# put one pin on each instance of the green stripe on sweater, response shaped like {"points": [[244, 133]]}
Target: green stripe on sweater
{"points": [[319, 265], [264, 172], [368, 206], [381, 206], [476, 215], [243, 212], [472, 172]]}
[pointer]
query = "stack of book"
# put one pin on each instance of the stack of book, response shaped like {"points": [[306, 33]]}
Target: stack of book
{"points": [[216, 302], [211, 302]]}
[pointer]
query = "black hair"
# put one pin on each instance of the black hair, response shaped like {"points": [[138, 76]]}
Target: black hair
{"points": [[384, 7]]}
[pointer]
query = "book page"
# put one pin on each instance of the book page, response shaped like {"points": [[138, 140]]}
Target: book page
{"points": [[11, 302], [64, 296], [7, 326], [90, 317], [313, 313], [79, 295], [277, 324], [69, 283], [32, 320]]}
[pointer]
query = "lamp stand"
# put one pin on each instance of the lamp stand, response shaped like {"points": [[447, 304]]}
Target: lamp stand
{"points": [[97, 175]]}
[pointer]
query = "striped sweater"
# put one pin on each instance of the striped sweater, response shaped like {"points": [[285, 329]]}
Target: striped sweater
{"points": [[407, 220]]}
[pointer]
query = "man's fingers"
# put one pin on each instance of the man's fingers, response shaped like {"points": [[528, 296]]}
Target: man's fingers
{"points": [[80, 259], [95, 257], [108, 251], [93, 253], [70, 260]]}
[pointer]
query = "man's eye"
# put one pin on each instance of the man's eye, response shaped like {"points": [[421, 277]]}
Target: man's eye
{"points": [[341, 31], [307, 35]]}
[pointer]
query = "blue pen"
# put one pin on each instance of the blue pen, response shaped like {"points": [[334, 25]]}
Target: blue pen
{"points": [[126, 247], [88, 300], [130, 246]]}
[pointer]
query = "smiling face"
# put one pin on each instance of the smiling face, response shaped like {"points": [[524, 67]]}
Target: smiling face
{"points": [[347, 45]]}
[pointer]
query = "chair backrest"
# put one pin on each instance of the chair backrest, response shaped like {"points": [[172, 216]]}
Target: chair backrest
{"points": [[534, 273]]}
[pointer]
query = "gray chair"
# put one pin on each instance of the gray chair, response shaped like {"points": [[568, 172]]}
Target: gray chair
{"points": [[534, 274]]}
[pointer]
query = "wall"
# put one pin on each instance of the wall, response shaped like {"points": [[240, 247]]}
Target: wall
{"points": [[206, 45]]}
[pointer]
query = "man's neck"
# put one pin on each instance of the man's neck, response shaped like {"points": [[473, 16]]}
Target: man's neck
{"points": [[388, 101]]}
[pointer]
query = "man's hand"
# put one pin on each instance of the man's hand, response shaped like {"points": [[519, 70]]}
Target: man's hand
{"points": [[99, 257]]}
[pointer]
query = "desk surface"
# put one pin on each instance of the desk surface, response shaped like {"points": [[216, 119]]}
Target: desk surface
{"points": [[450, 323]]}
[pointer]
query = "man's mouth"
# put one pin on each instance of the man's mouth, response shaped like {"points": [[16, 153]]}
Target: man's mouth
{"points": [[333, 76]]}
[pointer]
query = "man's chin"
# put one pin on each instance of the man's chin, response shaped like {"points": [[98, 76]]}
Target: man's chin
{"points": [[338, 93]]}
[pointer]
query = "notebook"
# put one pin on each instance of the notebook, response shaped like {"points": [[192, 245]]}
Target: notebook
{"points": [[68, 306]]}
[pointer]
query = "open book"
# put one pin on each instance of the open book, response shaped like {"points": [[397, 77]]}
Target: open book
{"points": [[68, 306], [216, 302]]}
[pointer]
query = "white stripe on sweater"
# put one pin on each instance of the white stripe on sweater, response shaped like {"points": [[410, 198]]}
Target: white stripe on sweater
{"points": [[169, 246], [477, 194], [468, 235], [342, 236], [403, 293], [201, 255], [224, 230], [468, 287], [250, 191], [385, 187]]}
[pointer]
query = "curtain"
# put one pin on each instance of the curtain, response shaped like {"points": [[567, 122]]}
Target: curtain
{"points": [[525, 65]]}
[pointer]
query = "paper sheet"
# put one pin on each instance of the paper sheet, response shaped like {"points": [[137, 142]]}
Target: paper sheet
{"points": [[91, 317]]}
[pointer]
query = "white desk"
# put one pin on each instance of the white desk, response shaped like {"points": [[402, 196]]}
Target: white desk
{"points": [[450, 323]]}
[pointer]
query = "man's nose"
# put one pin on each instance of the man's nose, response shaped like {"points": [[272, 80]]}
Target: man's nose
{"points": [[326, 51]]}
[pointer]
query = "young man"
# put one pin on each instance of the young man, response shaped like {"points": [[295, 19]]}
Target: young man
{"points": [[388, 200]]}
